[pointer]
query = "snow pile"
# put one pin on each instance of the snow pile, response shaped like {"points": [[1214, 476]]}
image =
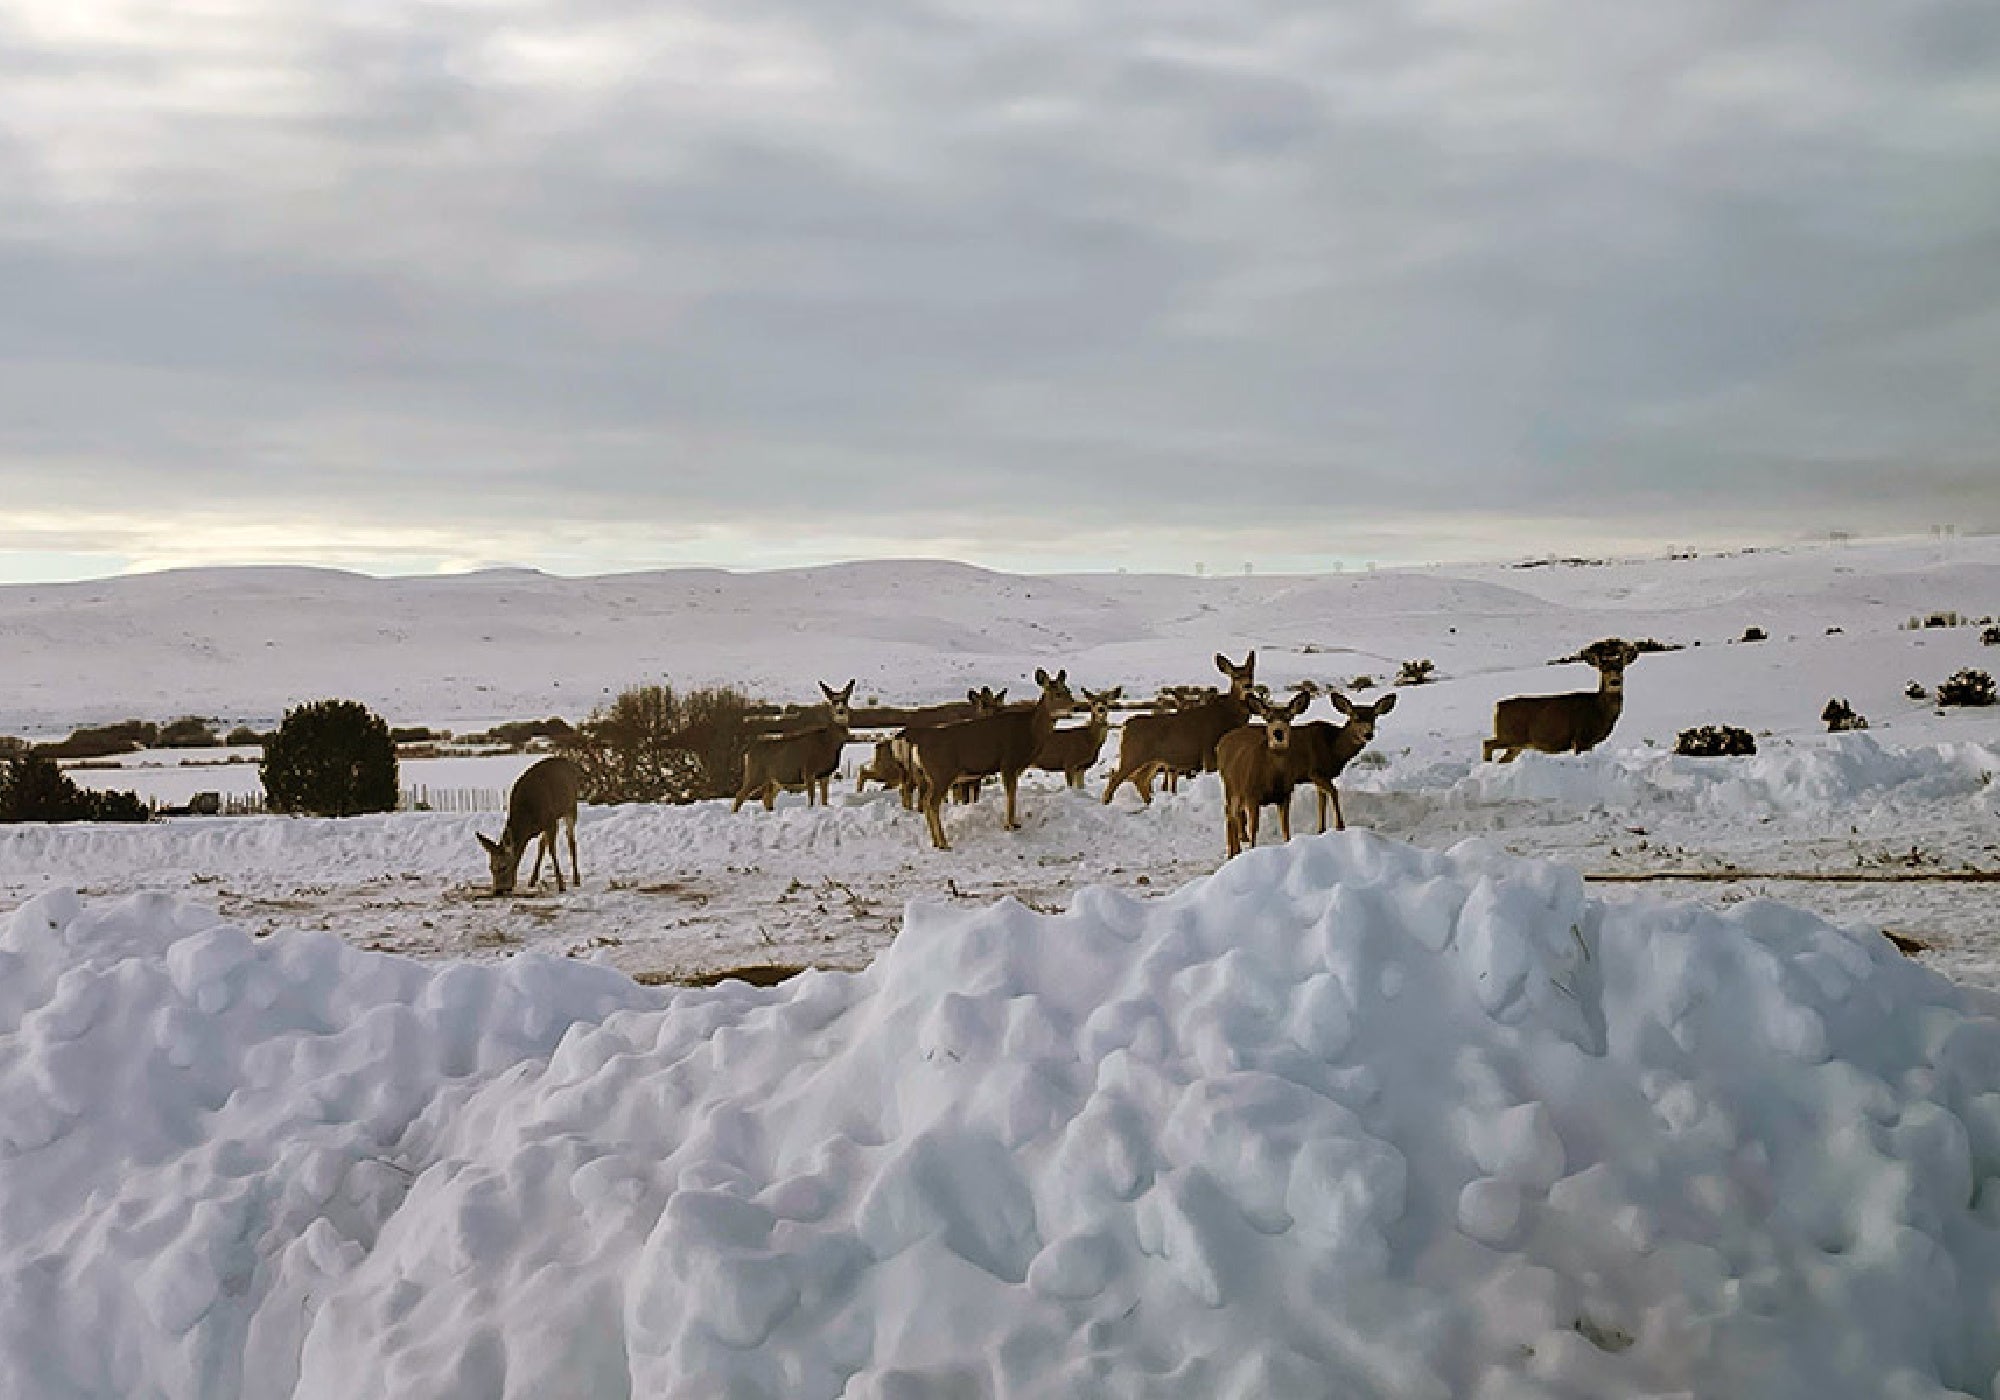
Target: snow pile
{"points": [[1346, 1118], [1783, 780]]}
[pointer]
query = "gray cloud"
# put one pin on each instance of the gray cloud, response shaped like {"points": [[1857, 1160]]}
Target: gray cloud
{"points": [[896, 275]]}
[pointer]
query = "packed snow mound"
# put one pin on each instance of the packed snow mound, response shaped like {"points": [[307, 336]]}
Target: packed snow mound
{"points": [[1837, 772], [1346, 1118]]}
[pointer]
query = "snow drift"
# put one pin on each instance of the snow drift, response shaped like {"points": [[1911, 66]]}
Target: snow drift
{"points": [[1348, 1117]]}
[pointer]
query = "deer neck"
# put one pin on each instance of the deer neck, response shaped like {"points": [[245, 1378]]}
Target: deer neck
{"points": [[1611, 693]]}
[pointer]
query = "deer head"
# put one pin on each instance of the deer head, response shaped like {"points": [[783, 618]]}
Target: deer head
{"points": [[1361, 718]]}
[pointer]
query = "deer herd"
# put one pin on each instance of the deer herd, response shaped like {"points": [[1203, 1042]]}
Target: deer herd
{"points": [[1259, 746]]}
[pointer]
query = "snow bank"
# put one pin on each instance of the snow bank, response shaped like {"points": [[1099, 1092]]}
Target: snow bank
{"points": [[1839, 772], [1346, 1118]]}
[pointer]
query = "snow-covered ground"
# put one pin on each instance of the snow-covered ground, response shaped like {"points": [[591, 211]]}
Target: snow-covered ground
{"points": [[1417, 1110]]}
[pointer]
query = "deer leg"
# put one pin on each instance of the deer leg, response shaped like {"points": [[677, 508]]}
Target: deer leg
{"points": [[575, 869], [1143, 780], [1009, 781], [1285, 816], [933, 800], [1339, 821], [535, 875]]}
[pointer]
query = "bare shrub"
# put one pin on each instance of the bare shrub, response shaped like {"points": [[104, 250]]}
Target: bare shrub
{"points": [[1990, 636], [1840, 716], [1915, 691], [1419, 672], [656, 744]]}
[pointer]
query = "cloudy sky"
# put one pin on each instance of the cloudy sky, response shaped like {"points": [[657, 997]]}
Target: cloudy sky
{"points": [[1044, 284]]}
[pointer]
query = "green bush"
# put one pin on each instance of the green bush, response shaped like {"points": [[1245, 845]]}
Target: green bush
{"points": [[332, 758], [34, 789]]}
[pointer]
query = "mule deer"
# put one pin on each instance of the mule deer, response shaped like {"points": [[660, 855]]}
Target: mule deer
{"points": [[983, 701], [1571, 723], [1004, 743], [1182, 740], [542, 800], [884, 768], [1322, 749], [805, 758], [1071, 752], [1257, 770]]}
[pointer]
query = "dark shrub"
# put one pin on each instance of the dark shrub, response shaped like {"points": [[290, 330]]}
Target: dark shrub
{"points": [[1990, 636], [102, 741], [1915, 691], [332, 758], [1416, 672], [1840, 716], [654, 744], [243, 736], [1967, 688], [188, 732], [1754, 634], [34, 789], [1715, 741]]}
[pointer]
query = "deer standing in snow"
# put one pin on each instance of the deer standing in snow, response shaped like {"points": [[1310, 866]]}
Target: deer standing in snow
{"points": [[807, 758], [1182, 740], [1571, 723], [1257, 770]]}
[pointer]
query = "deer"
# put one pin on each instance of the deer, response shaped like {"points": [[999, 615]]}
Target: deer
{"points": [[983, 701], [541, 802], [1257, 769], [1322, 749], [884, 768], [1572, 723], [807, 757], [1004, 742], [1182, 740], [1071, 752]]}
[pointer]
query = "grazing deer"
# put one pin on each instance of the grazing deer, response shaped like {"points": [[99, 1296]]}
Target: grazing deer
{"points": [[1257, 770], [1571, 723], [1321, 749], [1071, 752], [808, 757], [542, 801], [1182, 740], [1004, 743]]}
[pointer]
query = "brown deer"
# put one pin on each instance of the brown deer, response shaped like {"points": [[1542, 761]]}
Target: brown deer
{"points": [[806, 758], [1257, 770], [983, 701], [542, 801], [884, 768], [1571, 723], [1322, 749], [1004, 743], [1182, 740], [1071, 752]]}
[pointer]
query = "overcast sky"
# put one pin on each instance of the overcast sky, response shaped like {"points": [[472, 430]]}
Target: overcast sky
{"points": [[1039, 284]]}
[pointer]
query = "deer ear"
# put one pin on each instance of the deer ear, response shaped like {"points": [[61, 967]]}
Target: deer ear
{"points": [[491, 849], [1340, 702], [1222, 664], [1386, 703], [971, 697], [1041, 676], [1300, 701], [999, 697], [828, 691]]}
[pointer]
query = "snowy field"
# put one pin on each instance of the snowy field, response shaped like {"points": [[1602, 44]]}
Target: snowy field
{"points": [[1419, 1110]]}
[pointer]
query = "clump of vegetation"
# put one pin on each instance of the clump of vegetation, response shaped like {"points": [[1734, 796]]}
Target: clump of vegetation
{"points": [[244, 737], [103, 740], [418, 734], [1362, 682], [1990, 636], [1967, 687], [1915, 691], [187, 732], [33, 788], [9, 746], [1715, 741], [656, 744], [1754, 634], [518, 734], [1840, 716], [1417, 672], [331, 758]]}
